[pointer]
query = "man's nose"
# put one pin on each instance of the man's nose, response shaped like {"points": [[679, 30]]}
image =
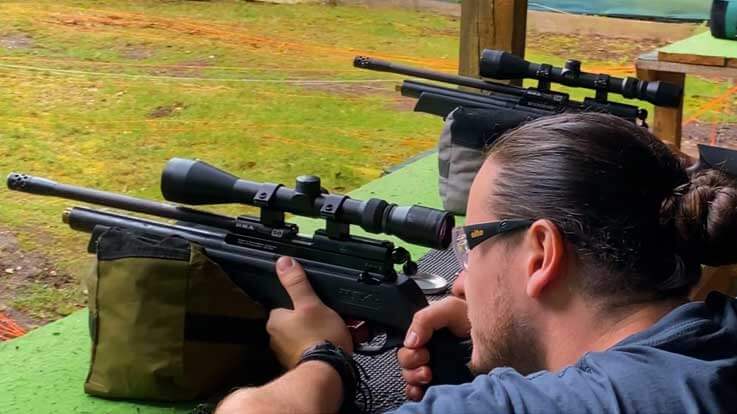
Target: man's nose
{"points": [[458, 289]]}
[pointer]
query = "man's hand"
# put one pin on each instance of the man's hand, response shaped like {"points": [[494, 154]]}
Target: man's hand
{"points": [[311, 322], [414, 357]]}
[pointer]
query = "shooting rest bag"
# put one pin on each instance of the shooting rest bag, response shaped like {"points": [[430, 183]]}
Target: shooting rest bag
{"points": [[466, 134], [168, 324]]}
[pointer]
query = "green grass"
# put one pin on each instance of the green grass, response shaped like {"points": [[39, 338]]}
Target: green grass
{"points": [[47, 303], [104, 92], [108, 92]]}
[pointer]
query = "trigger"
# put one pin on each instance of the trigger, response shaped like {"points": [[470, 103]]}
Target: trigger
{"points": [[360, 330]]}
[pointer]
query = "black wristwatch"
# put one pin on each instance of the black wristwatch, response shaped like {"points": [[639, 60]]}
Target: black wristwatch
{"points": [[343, 363]]}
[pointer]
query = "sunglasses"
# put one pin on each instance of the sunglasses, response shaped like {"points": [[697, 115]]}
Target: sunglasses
{"points": [[466, 238]]}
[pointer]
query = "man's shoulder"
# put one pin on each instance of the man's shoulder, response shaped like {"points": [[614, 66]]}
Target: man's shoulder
{"points": [[687, 324], [687, 362], [687, 359]]}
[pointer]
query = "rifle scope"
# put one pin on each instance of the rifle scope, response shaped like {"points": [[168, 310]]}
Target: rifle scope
{"points": [[197, 183], [502, 65]]}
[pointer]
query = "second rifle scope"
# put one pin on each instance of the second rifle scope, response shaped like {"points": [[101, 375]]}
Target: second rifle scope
{"points": [[497, 64]]}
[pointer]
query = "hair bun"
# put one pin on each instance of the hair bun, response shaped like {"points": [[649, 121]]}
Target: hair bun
{"points": [[703, 214]]}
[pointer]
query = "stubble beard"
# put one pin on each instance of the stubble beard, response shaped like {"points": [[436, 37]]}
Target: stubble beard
{"points": [[510, 341]]}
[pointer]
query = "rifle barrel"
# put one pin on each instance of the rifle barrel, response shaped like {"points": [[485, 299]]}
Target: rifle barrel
{"points": [[43, 186]]}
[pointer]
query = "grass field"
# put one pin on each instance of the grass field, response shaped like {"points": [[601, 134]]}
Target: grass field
{"points": [[102, 93]]}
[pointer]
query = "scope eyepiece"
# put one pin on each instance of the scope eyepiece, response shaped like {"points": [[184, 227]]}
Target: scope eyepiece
{"points": [[196, 183], [498, 64], [420, 225]]}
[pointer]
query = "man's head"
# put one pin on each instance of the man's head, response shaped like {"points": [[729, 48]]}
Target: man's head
{"points": [[616, 222]]}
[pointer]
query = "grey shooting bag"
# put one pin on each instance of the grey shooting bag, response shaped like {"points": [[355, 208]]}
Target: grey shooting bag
{"points": [[466, 134]]}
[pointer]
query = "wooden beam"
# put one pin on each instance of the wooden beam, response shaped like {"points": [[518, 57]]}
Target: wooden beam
{"points": [[491, 24], [649, 61], [692, 59]]}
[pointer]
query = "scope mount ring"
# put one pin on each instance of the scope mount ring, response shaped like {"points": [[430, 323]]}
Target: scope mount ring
{"points": [[265, 194], [543, 74], [330, 211], [332, 205], [263, 199], [601, 84]]}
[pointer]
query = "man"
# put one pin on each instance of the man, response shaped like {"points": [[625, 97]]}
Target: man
{"points": [[583, 237]]}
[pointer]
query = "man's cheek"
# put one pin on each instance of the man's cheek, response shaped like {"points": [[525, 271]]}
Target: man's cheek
{"points": [[475, 283], [459, 285]]}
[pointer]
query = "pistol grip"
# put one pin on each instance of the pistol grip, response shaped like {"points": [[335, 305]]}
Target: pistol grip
{"points": [[449, 356]]}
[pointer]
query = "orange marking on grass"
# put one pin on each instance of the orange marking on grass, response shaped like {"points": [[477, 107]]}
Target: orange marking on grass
{"points": [[710, 105], [226, 34], [9, 329]]}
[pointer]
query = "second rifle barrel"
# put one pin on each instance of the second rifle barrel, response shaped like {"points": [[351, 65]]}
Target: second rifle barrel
{"points": [[365, 62]]}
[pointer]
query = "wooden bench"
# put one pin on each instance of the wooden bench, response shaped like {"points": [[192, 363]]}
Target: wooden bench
{"points": [[697, 55]]}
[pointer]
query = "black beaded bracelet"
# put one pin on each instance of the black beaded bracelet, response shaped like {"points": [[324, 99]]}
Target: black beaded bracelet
{"points": [[333, 355]]}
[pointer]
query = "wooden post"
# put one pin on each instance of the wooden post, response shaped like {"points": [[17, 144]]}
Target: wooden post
{"points": [[666, 121], [490, 24]]}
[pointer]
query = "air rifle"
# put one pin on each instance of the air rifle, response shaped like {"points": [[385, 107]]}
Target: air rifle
{"points": [[353, 275], [535, 102]]}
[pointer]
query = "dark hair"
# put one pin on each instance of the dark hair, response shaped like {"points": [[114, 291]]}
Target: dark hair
{"points": [[622, 198]]}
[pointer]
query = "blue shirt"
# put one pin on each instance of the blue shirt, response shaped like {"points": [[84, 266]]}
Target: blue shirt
{"points": [[685, 363]]}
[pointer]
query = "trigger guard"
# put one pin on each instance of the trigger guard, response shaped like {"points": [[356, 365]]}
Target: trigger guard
{"points": [[373, 350]]}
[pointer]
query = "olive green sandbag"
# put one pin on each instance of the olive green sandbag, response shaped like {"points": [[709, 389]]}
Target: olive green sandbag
{"points": [[168, 324]]}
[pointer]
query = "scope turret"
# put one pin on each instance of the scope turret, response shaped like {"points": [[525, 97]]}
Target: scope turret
{"points": [[197, 183], [498, 64]]}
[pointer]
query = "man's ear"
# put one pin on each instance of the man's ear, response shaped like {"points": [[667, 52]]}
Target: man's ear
{"points": [[546, 257]]}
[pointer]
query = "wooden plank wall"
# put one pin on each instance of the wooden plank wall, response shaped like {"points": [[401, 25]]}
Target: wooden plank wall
{"points": [[491, 24]]}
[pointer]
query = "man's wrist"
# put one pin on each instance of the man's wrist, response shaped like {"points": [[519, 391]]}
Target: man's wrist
{"points": [[340, 362], [324, 377], [324, 370], [278, 396]]}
